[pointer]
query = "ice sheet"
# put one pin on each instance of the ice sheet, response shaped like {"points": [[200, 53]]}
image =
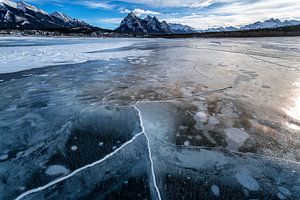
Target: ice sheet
{"points": [[17, 54], [150, 119]]}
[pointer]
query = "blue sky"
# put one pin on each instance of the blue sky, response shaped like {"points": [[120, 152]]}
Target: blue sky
{"points": [[199, 14]]}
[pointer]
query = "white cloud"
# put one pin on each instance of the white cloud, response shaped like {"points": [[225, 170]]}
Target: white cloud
{"points": [[96, 5], [241, 13], [114, 21], [139, 12], [176, 3]]}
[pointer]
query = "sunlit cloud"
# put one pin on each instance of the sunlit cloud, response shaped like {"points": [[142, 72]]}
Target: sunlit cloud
{"points": [[241, 13], [139, 12], [200, 14], [96, 5]]}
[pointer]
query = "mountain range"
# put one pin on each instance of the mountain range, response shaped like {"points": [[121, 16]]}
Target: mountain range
{"points": [[24, 16], [151, 25], [270, 23]]}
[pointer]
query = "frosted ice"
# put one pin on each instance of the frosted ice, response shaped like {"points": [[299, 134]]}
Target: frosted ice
{"points": [[246, 180], [213, 120], [3, 157], [36, 52], [191, 95], [74, 148], [215, 190], [235, 138], [284, 193], [200, 116]]}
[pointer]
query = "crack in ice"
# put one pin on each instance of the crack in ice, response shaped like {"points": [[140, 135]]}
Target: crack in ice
{"points": [[41, 188], [149, 150]]}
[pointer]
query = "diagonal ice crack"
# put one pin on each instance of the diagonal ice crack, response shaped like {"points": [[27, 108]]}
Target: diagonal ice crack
{"points": [[149, 150], [41, 188]]}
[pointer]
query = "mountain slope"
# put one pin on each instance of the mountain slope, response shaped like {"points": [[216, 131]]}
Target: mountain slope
{"points": [[132, 24], [148, 26], [24, 16], [179, 28], [270, 23]]}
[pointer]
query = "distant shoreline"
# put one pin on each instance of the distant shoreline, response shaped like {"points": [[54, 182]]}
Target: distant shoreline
{"points": [[288, 31]]}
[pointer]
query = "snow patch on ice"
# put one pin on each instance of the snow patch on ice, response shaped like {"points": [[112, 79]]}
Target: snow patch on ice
{"points": [[67, 51], [55, 170], [247, 181]]}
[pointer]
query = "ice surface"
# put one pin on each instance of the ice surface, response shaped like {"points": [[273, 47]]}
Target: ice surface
{"points": [[284, 193], [36, 52], [235, 138], [149, 119], [55, 170], [246, 180], [183, 169], [215, 190], [4, 157], [201, 117]]}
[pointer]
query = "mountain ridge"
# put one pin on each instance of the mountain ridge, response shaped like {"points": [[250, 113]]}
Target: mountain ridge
{"points": [[147, 26], [21, 15], [269, 23]]}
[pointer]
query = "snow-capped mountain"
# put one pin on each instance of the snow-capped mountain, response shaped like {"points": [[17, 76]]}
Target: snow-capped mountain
{"points": [[132, 24], [69, 21], [150, 25], [21, 15], [270, 23], [179, 28], [222, 29]]}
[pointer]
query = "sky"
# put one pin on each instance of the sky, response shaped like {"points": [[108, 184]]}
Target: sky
{"points": [[200, 14]]}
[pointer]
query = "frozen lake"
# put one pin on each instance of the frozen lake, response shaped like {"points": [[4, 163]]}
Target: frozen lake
{"points": [[149, 118]]}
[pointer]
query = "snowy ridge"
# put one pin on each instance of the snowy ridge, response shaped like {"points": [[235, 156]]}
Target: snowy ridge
{"points": [[9, 3], [78, 170], [25, 16], [270, 23], [62, 16], [22, 5]]}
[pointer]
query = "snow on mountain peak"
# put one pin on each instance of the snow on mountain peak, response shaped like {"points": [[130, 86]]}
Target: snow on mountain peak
{"points": [[22, 5], [148, 25], [179, 28], [23, 15], [8, 3], [62, 16]]}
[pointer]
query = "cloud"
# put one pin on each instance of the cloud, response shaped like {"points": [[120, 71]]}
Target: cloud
{"points": [[139, 12], [115, 21], [175, 3], [239, 13], [96, 5], [199, 14]]}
